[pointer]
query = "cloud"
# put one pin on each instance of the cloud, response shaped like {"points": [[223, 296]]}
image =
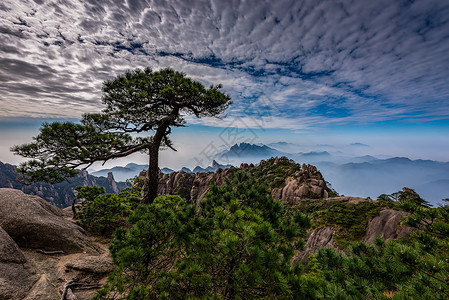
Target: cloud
{"points": [[319, 63], [358, 145]]}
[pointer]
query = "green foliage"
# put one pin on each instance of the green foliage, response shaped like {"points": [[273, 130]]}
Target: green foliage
{"points": [[350, 219], [407, 200], [239, 245], [408, 197], [415, 268], [145, 252], [274, 171], [144, 97], [333, 194], [103, 213], [60, 148], [250, 241], [388, 201], [136, 102]]}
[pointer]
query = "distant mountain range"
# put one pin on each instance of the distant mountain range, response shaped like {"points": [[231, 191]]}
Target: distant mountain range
{"points": [[60, 194], [385, 176], [131, 170], [122, 173]]}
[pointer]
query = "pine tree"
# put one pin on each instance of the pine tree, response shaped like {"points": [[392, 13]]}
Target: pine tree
{"points": [[137, 102]]}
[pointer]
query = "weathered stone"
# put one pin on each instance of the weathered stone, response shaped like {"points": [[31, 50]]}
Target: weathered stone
{"points": [[42, 290], [244, 166], [9, 251], [33, 223], [16, 275], [112, 182], [15, 280], [307, 183], [92, 264], [317, 239], [60, 194], [387, 226], [276, 193]]}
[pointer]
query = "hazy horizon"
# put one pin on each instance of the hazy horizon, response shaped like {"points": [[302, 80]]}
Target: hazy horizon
{"points": [[197, 144]]}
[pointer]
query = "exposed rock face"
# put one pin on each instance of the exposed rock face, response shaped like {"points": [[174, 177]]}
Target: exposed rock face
{"points": [[33, 223], [92, 264], [28, 274], [317, 239], [42, 290], [60, 194], [190, 186], [16, 275], [112, 182], [306, 183], [387, 226]]}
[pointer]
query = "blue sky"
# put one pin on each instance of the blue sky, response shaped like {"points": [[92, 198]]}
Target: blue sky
{"points": [[309, 72]]}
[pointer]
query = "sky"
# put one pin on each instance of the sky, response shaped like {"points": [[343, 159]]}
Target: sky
{"points": [[312, 72]]}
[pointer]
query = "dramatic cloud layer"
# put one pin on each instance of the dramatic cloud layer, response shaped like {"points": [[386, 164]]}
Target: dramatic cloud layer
{"points": [[292, 64]]}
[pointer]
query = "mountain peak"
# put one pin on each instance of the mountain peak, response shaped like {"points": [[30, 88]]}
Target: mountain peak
{"points": [[249, 150], [215, 164]]}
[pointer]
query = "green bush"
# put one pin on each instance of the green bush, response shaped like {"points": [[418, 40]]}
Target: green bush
{"points": [[145, 253], [274, 171], [103, 213], [350, 219]]}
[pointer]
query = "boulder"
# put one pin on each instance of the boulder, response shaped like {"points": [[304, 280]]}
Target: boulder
{"points": [[33, 223], [317, 239], [387, 225], [92, 264], [307, 183], [9, 251], [16, 275]]}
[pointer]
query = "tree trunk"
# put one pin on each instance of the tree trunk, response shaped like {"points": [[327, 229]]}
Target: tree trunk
{"points": [[153, 174], [153, 168]]}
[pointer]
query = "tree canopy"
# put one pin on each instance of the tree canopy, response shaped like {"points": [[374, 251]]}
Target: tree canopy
{"points": [[137, 102], [239, 245]]}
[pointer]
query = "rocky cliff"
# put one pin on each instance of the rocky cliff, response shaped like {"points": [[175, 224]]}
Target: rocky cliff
{"points": [[60, 194], [287, 180]]}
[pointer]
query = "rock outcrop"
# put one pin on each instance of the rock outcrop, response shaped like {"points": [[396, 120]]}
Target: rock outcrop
{"points": [[112, 183], [33, 223], [387, 225], [306, 183], [16, 274], [190, 186], [317, 239], [92, 264]]}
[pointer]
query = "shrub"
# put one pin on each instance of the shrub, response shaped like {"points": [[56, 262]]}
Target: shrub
{"points": [[103, 213]]}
